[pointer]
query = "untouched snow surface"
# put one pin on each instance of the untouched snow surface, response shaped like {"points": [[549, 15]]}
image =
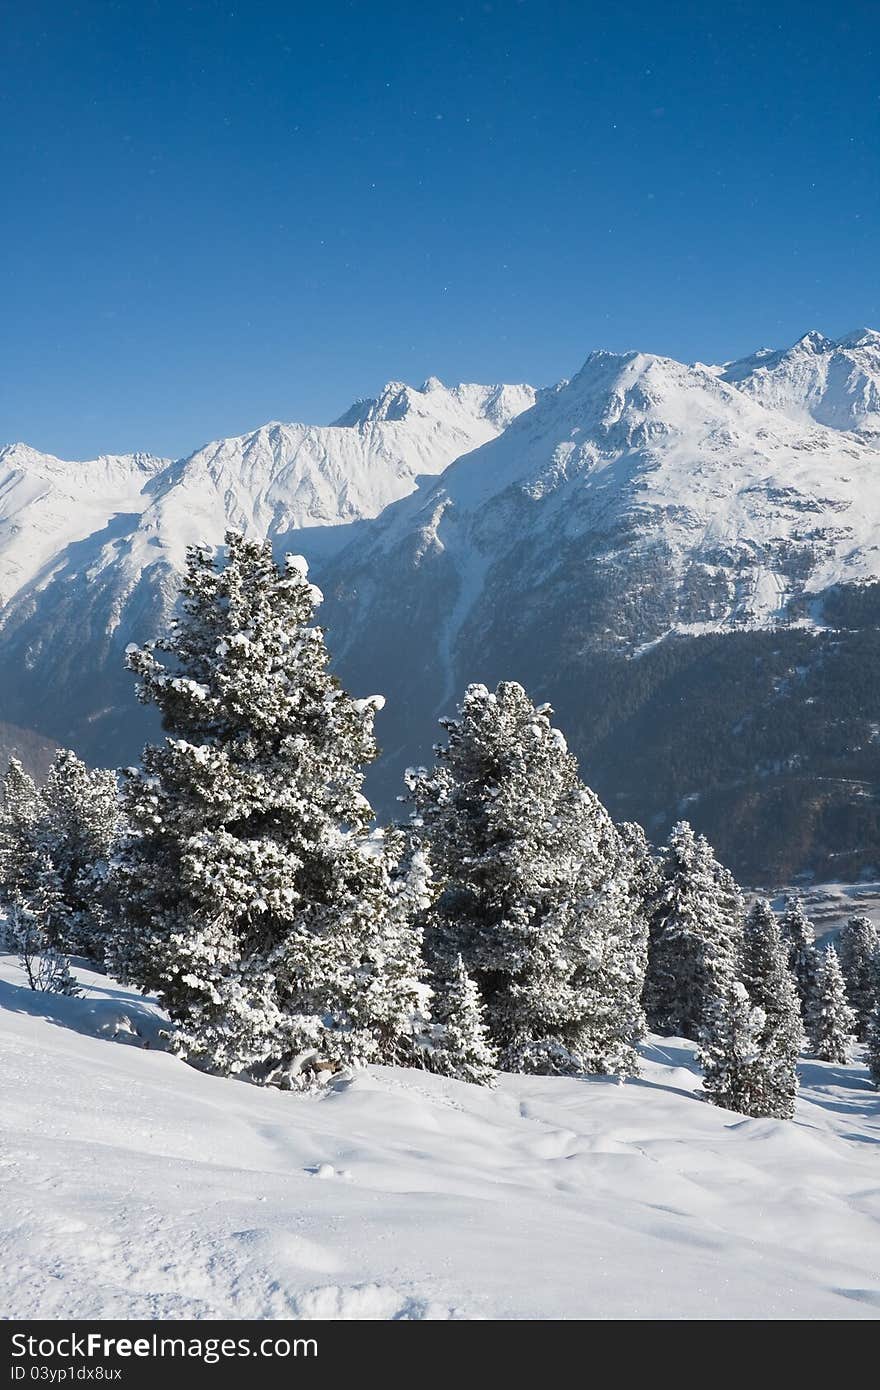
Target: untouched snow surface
{"points": [[135, 1187]]}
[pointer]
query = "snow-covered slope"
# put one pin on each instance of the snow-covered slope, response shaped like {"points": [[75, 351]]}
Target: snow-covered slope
{"points": [[641, 498], [49, 504], [286, 478], [277, 479], [641, 501], [639, 456], [833, 383], [135, 1187]]}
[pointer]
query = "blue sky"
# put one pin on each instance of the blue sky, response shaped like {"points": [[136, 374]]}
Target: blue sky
{"points": [[220, 214]]}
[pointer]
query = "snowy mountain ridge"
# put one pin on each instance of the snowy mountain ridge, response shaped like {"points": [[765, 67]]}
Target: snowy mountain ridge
{"points": [[90, 553], [486, 532], [48, 503], [642, 461], [277, 478], [833, 383]]}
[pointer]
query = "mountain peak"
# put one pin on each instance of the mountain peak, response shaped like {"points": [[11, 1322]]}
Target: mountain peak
{"points": [[814, 341], [860, 337], [834, 383], [455, 407]]}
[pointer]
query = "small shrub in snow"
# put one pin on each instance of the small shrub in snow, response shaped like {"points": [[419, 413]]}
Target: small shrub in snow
{"points": [[45, 967], [463, 1049], [872, 1049]]}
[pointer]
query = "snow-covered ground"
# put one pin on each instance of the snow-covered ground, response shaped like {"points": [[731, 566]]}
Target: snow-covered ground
{"points": [[135, 1187]]}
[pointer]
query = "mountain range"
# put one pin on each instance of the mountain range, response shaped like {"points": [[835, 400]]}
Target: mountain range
{"points": [[683, 558]]}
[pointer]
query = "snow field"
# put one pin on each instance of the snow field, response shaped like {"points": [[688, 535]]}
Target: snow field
{"points": [[136, 1187]]}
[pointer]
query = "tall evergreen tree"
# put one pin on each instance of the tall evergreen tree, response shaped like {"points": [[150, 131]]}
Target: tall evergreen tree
{"points": [[859, 957], [54, 849], [833, 1020], [79, 824], [19, 819], [463, 1049], [803, 958], [253, 897], [872, 1049], [534, 889], [28, 933], [771, 987], [55, 845], [643, 876], [694, 937], [744, 1068]]}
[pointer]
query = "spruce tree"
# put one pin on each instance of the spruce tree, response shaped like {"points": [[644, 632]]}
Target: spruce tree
{"points": [[765, 973], [803, 958], [253, 896], [534, 889], [695, 935], [642, 875], [771, 987], [19, 820], [743, 1070], [55, 844], [833, 1020], [872, 1049], [395, 1007], [462, 1049], [79, 822], [28, 933], [859, 957]]}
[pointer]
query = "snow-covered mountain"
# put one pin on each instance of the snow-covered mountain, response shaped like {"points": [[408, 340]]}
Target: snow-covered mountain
{"points": [[571, 538], [48, 504], [90, 553], [833, 383], [640, 498], [642, 501]]}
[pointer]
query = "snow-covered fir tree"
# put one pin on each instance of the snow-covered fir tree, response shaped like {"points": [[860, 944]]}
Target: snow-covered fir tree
{"points": [[771, 987], [743, 1069], [253, 896], [396, 1003], [872, 1047], [832, 1023], [695, 935], [55, 844], [79, 823], [803, 958], [19, 818], [463, 1049], [860, 963], [535, 891], [643, 876], [766, 975], [29, 917]]}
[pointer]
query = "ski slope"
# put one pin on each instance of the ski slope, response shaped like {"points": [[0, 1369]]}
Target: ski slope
{"points": [[136, 1187]]}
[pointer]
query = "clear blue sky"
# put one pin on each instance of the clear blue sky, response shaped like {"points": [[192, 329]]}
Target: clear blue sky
{"points": [[219, 214]]}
